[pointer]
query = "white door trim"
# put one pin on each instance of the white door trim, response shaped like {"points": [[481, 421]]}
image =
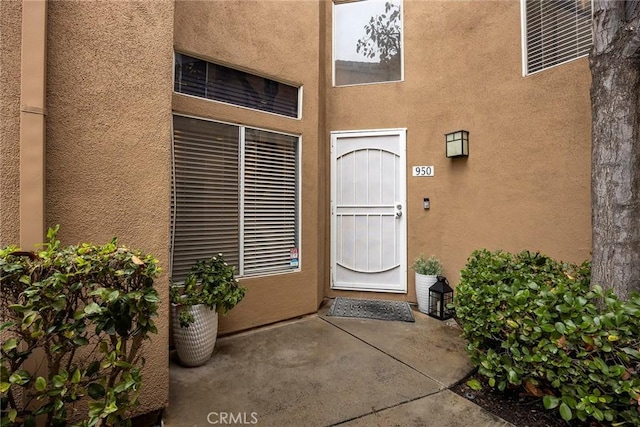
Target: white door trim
{"points": [[402, 184]]}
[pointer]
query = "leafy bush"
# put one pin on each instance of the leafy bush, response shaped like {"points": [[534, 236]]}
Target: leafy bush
{"points": [[210, 282], [427, 266], [534, 323], [87, 309]]}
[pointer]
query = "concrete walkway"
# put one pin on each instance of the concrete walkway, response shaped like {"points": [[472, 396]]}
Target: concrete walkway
{"points": [[323, 371]]}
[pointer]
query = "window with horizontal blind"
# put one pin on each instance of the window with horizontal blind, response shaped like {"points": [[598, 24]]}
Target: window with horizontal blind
{"points": [[555, 31], [205, 79], [235, 192]]}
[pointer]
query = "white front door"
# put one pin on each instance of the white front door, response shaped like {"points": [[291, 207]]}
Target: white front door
{"points": [[368, 204]]}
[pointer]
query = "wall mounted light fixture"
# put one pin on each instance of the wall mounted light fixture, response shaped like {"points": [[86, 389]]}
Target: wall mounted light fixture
{"points": [[457, 143]]}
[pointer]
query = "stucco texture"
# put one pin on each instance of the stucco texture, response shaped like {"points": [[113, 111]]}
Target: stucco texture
{"points": [[257, 37], [526, 182], [10, 42], [109, 139]]}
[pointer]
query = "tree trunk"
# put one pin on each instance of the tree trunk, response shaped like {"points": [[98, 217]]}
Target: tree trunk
{"points": [[615, 162]]}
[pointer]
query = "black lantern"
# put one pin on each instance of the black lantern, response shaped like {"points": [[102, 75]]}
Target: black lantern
{"points": [[457, 143], [440, 295]]}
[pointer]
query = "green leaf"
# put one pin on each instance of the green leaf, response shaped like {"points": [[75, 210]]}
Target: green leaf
{"points": [[95, 408], [123, 364], [111, 407], [7, 325], [18, 308], [41, 384], [92, 308], [565, 412], [560, 327], [569, 401], [75, 379], [93, 368], [28, 319], [80, 341], [4, 387], [152, 298], [474, 384], [631, 352], [96, 391], [597, 414], [547, 328], [113, 296], [10, 344], [59, 303], [550, 402], [58, 381], [20, 377]]}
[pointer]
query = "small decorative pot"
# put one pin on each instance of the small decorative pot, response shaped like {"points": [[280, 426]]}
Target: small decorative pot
{"points": [[195, 344], [423, 283]]}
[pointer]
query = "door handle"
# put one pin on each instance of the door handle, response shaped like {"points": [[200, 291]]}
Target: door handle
{"points": [[398, 210]]}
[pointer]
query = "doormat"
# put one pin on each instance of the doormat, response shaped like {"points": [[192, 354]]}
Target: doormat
{"points": [[371, 309]]}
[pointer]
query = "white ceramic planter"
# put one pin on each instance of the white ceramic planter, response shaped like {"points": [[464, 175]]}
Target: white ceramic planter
{"points": [[423, 283], [195, 344]]}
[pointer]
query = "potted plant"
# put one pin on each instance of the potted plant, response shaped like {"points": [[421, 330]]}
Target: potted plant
{"points": [[209, 288], [427, 272]]}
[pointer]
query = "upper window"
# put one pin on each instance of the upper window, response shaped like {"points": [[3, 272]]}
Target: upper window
{"points": [[235, 192], [367, 42], [555, 31], [204, 79]]}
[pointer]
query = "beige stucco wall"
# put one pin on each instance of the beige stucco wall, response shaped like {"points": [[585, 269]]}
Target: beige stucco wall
{"points": [[278, 40], [526, 183], [10, 41], [108, 140]]}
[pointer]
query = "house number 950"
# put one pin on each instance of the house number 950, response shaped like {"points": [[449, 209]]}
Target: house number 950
{"points": [[422, 171]]}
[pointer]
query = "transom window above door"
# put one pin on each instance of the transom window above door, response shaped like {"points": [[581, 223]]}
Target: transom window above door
{"points": [[367, 42]]}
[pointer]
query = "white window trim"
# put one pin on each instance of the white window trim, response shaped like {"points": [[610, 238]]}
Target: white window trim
{"points": [[241, 195], [333, 49], [241, 171], [523, 41], [523, 36]]}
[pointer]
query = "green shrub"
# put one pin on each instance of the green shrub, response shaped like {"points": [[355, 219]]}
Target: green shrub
{"points": [[87, 309], [427, 266], [210, 282], [532, 322]]}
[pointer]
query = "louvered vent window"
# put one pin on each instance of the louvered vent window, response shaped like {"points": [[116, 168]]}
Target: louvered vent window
{"points": [[556, 31], [204, 79], [235, 191]]}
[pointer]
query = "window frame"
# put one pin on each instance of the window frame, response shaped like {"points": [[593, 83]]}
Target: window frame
{"points": [[336, 3], [241, 190], [299, 86], [525, 47]]}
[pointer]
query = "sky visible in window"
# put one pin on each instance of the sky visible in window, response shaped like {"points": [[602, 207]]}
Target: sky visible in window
{"points": [[350, 19]]}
